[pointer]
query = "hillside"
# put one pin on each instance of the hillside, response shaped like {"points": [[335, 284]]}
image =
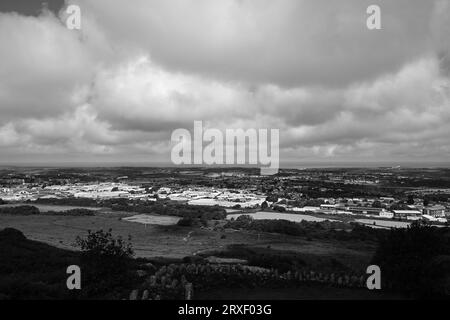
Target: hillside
{"points": [[31, 269]]}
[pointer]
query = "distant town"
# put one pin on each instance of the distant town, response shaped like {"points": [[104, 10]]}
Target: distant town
{"points": [[384, 193]]}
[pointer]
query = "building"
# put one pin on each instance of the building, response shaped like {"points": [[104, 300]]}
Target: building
{"points": [[407, 214], [434, 211], [386, 214], [364, 210]]}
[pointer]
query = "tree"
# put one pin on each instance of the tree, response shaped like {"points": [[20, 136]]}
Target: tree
{"points": [[410, 199], [264, 205], [279, 208], [376, 204], [272, 198]]}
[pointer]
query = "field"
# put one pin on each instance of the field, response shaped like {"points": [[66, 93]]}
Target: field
{"points": [[147, 219], [160, 239], [150, 240]]}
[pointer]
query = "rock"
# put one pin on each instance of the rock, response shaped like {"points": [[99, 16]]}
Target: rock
{"points": [[134, 294], [289, 275], [347, 280], [332, 278], [353, 280], [189, 291]]}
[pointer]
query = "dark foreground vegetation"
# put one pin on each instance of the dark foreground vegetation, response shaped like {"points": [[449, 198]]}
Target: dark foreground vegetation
{"points": [[34, 270], [416, 260], [414, 263]]}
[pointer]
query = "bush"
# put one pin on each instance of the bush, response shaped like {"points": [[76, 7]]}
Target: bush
{"points": [[279, 208], [416, 260], [106, 261]]}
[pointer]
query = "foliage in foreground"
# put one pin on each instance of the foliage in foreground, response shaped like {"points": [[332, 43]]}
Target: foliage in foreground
{"points": [[31, 269], [107, 261], [416, 260]]}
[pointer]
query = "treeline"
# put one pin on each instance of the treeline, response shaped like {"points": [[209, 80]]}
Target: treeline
{"points": [[72, 212], [174, 209], [32, 210], [20, 210], [78, 202], [154, 207], [310, 230], [443, 197]]}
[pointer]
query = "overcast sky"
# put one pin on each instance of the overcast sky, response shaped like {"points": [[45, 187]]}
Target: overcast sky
{"points": [[116, 89]]}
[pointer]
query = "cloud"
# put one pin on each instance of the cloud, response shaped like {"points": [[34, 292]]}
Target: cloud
{"points": [[118, 87], [288, 42], [44, 68]]}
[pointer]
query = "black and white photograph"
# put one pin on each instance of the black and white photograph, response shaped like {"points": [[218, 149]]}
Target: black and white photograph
{"points": [[251, 151]]}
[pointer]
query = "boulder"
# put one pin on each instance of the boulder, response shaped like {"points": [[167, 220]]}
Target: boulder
{"points": [[134, 294]]}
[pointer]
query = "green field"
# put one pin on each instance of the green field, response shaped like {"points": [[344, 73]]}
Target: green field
{"points": [[178, 242]]}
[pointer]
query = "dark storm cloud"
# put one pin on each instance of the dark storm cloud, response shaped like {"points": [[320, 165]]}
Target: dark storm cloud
{"points": [[30, 7], [287, 42]]}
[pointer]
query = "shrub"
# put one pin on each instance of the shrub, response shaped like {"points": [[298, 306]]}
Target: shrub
{"points": [[189, 222], [106, 261], [416, 260]]}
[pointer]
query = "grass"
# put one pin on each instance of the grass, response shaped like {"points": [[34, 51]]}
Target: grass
{"points": [[169, 241]]}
